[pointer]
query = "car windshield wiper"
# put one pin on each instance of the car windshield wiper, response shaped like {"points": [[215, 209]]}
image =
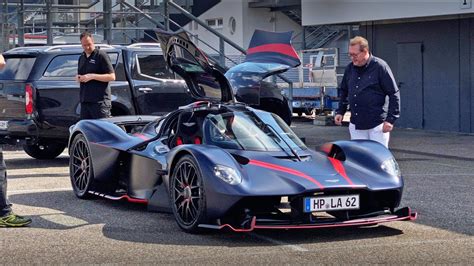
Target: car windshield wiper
{"points": [[276, 135]]}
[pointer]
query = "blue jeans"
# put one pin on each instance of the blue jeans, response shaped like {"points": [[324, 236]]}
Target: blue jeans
{"points": [[5, 205]]}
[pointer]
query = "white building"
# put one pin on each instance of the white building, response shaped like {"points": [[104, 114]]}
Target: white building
{"points": [[237, 21]]}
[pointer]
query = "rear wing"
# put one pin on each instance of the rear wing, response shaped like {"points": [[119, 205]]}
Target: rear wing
{"points": [[272, 47]]}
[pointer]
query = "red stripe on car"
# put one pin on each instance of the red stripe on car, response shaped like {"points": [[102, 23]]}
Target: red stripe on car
{"points": [[340, 169], [280, 48], [142, 136]]}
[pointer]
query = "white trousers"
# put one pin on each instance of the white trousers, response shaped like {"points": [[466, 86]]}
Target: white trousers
{"points": [[375, 134]]}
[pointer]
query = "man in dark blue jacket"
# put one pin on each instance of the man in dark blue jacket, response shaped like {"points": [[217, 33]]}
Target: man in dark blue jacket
{"points": [[369, 87]]}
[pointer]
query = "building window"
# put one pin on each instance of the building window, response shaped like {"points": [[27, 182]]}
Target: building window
{"points": [[215, 23], [232, 25]]}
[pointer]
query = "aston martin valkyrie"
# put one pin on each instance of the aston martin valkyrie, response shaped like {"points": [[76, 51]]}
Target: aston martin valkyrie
{"points": [[218, 163]]}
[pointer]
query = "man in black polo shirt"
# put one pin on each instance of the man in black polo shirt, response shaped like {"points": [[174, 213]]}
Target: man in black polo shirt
{"points": [[369, 87], [94, 73]]}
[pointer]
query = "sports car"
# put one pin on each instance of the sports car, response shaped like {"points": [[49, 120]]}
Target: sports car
{"points": [[218, 163]]}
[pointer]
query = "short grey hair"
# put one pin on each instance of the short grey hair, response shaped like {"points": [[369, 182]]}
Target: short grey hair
{"points": [[361, 41]]}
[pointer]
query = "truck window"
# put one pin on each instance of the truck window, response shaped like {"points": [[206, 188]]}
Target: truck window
{"points": [[62, 66], [17, 68], [150, 67], [120, 70], [113, 58], [66, 65]]}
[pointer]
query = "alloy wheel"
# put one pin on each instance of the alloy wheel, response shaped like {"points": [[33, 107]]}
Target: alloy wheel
{"points": [[187, 193]]}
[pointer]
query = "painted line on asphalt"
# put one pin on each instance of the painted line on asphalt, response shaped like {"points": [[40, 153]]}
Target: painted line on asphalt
{"points": [[444, 156], [26, 191], [64, 219], [452, 165], [447, 174], [280, 243], [398, 243]]}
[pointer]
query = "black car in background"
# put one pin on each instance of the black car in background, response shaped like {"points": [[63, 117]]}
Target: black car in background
{"points": [[39, 97]]}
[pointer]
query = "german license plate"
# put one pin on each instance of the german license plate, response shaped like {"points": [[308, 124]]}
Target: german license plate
{"points": [[331, 203], [3, 125]]}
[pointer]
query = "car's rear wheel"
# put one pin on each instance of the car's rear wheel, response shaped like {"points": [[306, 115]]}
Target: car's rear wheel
{"points": [[45, 149], [187, 195], [80, 167]]}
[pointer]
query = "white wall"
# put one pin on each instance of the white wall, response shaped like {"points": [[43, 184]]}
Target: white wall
{"points": [[263, 19], [225, 9], [317, 12], [248, 19]]}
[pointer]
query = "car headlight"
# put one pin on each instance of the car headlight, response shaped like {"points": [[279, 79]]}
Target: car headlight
{"points": [[227, 174], [391, 166]]}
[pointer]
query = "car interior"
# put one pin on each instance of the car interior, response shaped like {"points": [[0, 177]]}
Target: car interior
{"points": [[189, 129]]}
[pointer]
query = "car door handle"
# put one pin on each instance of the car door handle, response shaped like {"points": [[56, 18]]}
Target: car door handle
{"points": [[145, 90]]}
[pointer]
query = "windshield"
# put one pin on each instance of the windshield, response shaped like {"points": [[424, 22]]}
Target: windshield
{"points": [[255, 131]]}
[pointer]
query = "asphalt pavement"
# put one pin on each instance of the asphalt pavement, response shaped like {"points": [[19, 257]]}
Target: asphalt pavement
{"points": [[438, 170]]}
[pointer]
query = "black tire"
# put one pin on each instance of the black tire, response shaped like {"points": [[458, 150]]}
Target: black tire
{"points": [[45, 149], [80, 167], [187, 195]]}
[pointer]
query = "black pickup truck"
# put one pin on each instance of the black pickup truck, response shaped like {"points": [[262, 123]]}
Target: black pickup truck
{"points": [[39, 98]]}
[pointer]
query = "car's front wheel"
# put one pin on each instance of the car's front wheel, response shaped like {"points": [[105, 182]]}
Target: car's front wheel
{"points": [[80, 167], [187, 195], [45, 149]]}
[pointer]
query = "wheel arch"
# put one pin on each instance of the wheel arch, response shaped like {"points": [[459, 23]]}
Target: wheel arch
{"points": [[175, 158], [207, 157], [71, 139]]}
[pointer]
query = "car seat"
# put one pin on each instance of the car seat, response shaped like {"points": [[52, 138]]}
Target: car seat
{"points": [[189, 129]]}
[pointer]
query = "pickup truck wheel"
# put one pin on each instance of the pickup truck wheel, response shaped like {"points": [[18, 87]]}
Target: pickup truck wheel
{"points": [[44, 149]]}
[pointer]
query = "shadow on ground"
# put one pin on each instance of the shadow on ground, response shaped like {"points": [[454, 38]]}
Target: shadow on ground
{"points": [[131, 222]]}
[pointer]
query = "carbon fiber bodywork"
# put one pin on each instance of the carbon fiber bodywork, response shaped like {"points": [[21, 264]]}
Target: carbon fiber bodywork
{"points": [[220, 164], [274, 184]]}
